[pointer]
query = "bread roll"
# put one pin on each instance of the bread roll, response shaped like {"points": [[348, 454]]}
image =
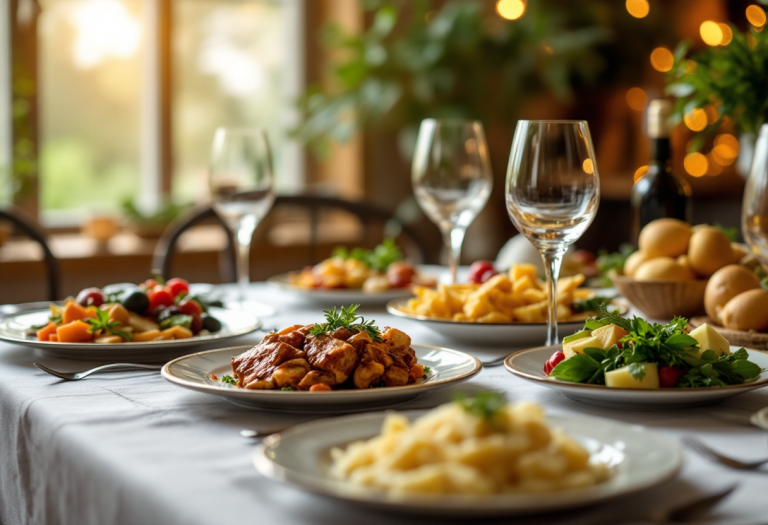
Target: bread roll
{"points": [[724, 285]]}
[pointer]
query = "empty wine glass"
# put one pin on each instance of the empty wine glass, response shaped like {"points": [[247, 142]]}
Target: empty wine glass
{"points": [[241, 188], [552, 192], [754, 210], [452, 178]]}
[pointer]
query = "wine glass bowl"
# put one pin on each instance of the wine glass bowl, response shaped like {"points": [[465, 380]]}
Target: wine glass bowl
{"points": [[552, 192], [452, 177], [241, 184], [754, 210]]}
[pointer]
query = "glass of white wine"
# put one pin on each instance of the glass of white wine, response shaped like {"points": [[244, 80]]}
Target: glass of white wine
{"points": [[552, 192], [754, 210], [452, 178], [241, 184]]}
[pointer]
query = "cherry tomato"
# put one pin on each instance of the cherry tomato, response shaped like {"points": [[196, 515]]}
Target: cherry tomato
{"points": [[159, 296], [669, 376], [400, 274], [190, 307], [90, 297], [584, 256], [197, 324], [148, 284], [175, 286], [553, 361], [477, 270], [488, 274]]}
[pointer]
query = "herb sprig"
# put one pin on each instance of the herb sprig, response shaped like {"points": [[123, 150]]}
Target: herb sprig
{"points": [[347, 318], [484, 404], [102, 323], [228, 380]]}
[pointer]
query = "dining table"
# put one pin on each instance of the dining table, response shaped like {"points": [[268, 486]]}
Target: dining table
{"points": [[129, 447]]}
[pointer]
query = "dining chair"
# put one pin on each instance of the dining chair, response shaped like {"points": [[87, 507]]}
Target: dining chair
{"points": [[26, 225], [367, 214]]}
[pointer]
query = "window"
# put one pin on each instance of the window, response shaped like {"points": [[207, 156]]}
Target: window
{"points": [[102, 101]]}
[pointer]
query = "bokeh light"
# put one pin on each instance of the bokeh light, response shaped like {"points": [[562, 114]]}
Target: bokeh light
{"points": [[640, 172], [756, 15], [588, 166], [662, 59], [712, 113], [726, 149], [714, 168], [711, 33], [727, 34], [637, 98], [638, 8], [696, 120], [751, 41], [696, 164], [510, 9]]}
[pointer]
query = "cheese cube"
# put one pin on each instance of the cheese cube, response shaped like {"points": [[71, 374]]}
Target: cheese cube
{"points": [[621, 378], [578, 346], [710, 339], [609, 335]]}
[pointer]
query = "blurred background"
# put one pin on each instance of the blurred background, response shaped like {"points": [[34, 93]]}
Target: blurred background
{"points": [[108, 109]]}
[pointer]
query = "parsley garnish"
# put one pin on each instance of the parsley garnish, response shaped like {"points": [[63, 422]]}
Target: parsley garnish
{"points": [[287, 389], [347, 318], [485, 404], [427, 370], [229, 380], [102, 322]]}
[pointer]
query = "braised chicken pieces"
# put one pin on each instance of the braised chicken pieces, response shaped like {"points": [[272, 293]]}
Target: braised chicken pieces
{"points": [[344, 358]]}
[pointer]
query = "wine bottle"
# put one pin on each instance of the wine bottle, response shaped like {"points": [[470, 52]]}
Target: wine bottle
{"points": [[660, 192]]}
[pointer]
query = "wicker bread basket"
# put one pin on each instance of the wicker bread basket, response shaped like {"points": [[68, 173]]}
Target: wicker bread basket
{"points": [[663, 299]]}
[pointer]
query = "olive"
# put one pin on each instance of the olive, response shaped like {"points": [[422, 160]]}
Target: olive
{"points": [[167, 312], [136, 302], [210, 323]]}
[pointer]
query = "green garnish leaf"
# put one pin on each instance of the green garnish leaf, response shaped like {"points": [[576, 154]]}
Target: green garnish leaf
{"points": [[636, 370], [746, 369], [575, 369], [346, 318], [102, 323], [287, 389], [377, 259], [427, 370], [485, 404], [177, 320], [229, 380], [55, 319]]}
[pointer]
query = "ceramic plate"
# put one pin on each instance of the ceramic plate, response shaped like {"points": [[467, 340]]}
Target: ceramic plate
{"points": [[337, 297], [234, 324], [508, 334], [638, 460], [529, 364], [447, 367]]}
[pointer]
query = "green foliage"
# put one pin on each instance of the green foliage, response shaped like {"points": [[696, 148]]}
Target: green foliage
{"points": [[167, 212], [454, 59], [346, 318], [377, 259], [608, 263], [735, 76], [229, 380]]}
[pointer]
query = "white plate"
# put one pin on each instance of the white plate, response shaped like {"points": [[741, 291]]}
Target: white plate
{"points": [[508, 334], [193, 371], [638, 460], [337, 297], [529, 364], [234, 323]]}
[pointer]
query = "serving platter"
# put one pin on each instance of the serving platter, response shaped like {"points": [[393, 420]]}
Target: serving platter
{"points": [[638, 459], [235, 323], [508, 334], [336, 296], [447, 367], [529, 365]]}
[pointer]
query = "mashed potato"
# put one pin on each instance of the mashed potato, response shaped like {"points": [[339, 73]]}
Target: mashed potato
{"points": [[451, 450]]}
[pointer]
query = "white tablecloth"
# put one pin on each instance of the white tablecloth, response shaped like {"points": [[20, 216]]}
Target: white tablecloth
{"points": [[131, 448]]}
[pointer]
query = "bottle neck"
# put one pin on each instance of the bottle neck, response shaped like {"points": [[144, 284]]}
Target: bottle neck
{"points": [[661, 151]]}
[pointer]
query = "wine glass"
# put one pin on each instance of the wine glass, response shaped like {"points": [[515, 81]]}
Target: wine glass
{"points": [[754, 210], [452, 178], [241, 188], [552, 192]]}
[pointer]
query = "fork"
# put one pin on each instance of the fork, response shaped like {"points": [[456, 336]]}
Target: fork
{"points": [[704, 450], [494, 362], [75, 376], [688, 512]]}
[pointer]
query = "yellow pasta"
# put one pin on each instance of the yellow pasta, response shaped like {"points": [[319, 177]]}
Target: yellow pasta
{"points": [[518, 296], [452, 451]]}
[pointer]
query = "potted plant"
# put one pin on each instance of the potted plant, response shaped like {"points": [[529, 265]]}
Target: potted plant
{"points": [[150, 225]]}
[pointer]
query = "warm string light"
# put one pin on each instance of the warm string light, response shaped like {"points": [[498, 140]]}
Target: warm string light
{"points": [[637, 99], [510, 9], [662, 59], [588, 166], [756, 15], [696, 119], [711, 33], [696, 164], [638, 8], [727, 34], [640, 173]]}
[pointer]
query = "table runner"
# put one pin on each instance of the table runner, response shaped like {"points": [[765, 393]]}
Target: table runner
{"points": [[131, 448]]}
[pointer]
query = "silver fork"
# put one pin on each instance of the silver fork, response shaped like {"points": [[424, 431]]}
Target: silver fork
{"points": [[75, 376], [704, 450], [494, 362]]}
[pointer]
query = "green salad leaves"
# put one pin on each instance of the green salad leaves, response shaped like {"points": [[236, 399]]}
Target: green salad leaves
{"points": [[377, 259]]}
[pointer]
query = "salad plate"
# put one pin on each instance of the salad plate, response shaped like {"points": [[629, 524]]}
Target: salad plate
{"points": [[336, 295], [637, 460], [235, 323], [202, 372], [529, 365]]}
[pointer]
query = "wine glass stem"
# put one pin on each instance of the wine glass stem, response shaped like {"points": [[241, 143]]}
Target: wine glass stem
{"points": [[552, 259], [453, 238], [243, 236]]}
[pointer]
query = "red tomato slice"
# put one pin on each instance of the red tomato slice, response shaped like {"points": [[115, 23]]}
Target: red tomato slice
{"points": [[175, 286]]}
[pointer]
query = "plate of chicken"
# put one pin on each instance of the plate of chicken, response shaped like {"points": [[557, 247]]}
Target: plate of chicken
{"points": [[345, 363]]}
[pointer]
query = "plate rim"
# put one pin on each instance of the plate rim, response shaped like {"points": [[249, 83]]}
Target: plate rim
{"points": [[370, 392], [262, 457], [340, 292], [602, 388], [217, 336]]}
